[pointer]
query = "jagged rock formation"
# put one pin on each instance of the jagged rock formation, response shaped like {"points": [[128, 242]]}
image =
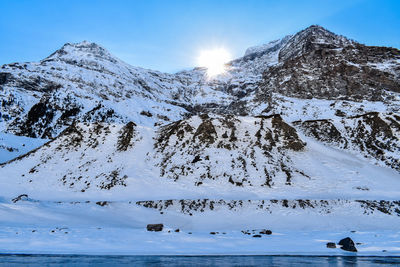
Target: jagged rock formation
{"points": [[78, 78], [190, 207], [316, 63], [83, 156], [373, 134], [241, 128], [239, 150]]}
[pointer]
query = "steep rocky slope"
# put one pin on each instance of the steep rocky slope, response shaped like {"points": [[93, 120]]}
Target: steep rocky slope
{"points": [[373, 135], [81, 82], [85, 82], [83, 156], [320, 64], [243, 151]]}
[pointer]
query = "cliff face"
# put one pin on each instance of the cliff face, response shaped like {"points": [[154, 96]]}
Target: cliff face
{"points": [[318, 64]]}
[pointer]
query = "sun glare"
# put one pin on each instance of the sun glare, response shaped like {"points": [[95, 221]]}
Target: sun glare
{"points": [[214, 60]]}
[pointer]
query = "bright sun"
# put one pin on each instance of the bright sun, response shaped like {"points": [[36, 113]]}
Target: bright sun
{"points": [[214, 60]]}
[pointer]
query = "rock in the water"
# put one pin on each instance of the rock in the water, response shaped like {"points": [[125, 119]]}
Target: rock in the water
{"points": [[155, 227], [330, 245], [348, 244]]}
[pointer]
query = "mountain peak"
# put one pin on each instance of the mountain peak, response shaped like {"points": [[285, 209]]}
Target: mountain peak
{"points": [[315, 27], [312, 37], [82, 50], [261, 48]]}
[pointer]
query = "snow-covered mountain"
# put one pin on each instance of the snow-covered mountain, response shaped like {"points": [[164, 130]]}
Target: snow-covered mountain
{"points": [[309, 122]]}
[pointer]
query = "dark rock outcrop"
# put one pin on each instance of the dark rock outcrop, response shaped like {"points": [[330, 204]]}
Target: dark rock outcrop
{"points": [[155, 227], [316, 63], [331, 245], [347, 244], [373, 134], [126, 134], [266, 232], [256, 144], [19, 198]]}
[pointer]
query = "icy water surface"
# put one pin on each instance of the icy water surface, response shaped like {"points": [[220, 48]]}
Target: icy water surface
{"points": [[83, 260]]}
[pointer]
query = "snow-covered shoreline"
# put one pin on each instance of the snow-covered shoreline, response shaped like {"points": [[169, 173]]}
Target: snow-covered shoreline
{"points": [[119, 228], [126, 241]]}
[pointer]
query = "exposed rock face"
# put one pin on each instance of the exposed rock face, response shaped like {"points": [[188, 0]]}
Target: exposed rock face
{"points": [[85, 49], [46, 118], [209, 147], [19, 198], [373, 134], [78, 78], [77, 154], [321, 206], [126, 134], [313, 38], [323, 130], [318, 64], [41, 99], [348, 244], [386, 207]]}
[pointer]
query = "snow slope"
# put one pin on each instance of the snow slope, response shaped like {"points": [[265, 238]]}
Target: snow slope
{"points": [[96, 149]]}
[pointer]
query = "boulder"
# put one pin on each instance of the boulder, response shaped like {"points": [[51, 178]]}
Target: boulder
{"points": [[257, 236], [102, 203], [266, 232], [330, 245], [348, 244], [155, 227]]}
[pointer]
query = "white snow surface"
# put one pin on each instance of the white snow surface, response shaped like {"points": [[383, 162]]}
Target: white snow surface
{"points": [[12, 146]]}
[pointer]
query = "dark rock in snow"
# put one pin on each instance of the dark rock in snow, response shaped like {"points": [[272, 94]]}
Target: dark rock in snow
{"points": [[257, 236], [146, 113], [20, 197], [330, 245], [155, 227], [196, 159], [102, 203], [348, 244], [266, 232]]}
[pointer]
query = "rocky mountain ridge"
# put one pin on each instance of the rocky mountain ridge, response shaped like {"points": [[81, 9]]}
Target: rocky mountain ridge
{"points": [[300, 136], [241, 128]]}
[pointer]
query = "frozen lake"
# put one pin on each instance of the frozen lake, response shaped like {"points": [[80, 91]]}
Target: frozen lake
{"points": [[84, 260]]}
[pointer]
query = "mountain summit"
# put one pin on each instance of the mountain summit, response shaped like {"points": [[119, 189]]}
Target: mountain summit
{"points": [[312, 38], [79, 51]]}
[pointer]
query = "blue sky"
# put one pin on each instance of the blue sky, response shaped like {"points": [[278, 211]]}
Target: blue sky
{"points": [[168, 35]]}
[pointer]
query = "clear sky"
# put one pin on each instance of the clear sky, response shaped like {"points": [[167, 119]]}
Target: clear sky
{"points": [[167, 35]]}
